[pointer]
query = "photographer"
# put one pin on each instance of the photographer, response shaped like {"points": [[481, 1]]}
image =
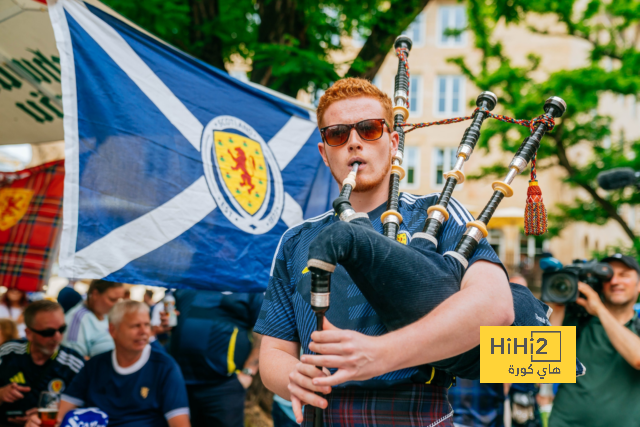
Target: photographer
{"points": [[609, 346]]}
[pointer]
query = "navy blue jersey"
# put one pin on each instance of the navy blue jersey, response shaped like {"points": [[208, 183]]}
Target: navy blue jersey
{"points": [[211, 341], [286, 313], [146, 394], [16, 366]]}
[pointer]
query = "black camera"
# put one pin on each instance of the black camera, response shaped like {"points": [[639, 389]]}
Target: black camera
{"points": [[560, 285]]}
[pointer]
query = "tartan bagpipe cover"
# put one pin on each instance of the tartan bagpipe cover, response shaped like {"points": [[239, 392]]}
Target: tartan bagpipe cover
{"points": [[30, 217]]}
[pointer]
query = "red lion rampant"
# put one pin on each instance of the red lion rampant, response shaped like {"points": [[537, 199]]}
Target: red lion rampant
{"points": [[241, 163], [11, 208]]}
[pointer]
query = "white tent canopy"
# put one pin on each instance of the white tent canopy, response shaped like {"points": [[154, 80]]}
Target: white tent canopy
{"points": [[30, 91], [30, 104]]}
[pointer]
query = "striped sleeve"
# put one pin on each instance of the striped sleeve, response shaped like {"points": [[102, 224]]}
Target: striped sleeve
{"points": [[72, 362], [454, 229], [74, 336], [174, 399], [277, 316]]}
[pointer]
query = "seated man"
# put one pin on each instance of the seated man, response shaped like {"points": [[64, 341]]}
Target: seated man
{"points": [[88, 332], [134, 384], [38, 364]]}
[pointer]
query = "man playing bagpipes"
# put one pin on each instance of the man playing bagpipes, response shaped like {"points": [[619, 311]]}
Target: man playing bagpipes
{"points": [[373, 379]]}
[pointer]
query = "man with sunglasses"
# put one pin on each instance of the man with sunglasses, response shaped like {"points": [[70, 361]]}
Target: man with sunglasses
{"points": [[373, 381], [38, 364]]}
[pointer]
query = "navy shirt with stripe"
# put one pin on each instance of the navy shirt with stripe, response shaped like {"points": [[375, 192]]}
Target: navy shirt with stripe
{"points": [[286, 313], [151, 392], [16, 366], [211, 340]]}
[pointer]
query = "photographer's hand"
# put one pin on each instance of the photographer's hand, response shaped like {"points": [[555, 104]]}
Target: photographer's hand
{"points": [[557, 315], [622, 338], [592, 303]]}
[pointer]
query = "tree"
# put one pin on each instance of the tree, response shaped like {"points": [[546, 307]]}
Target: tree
{"points": [[611, 30], [291, 43]]}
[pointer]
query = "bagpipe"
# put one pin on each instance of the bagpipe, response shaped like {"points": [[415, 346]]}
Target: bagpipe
{"points": [[390, 274]]}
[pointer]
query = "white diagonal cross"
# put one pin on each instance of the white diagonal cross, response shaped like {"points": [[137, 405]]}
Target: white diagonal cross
{"points": [[168, 221]]}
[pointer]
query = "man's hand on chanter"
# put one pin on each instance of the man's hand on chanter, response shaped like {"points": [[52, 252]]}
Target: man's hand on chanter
{"points": [[357, 357], [303, 390]]}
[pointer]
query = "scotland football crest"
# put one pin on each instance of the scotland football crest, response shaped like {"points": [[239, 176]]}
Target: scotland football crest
{"points": [[237, 160]]}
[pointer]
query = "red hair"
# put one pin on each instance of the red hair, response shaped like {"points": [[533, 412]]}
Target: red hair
{"points": [[352, 88]]}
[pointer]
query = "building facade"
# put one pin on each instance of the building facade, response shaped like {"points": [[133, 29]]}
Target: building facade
{"points": [[439, 90]]}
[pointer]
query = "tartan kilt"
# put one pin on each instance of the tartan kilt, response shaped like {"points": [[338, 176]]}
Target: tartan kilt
{"points": [[403, 405]]}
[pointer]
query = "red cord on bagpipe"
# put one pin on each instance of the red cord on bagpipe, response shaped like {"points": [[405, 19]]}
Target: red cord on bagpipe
{"points": [[535, 217]]}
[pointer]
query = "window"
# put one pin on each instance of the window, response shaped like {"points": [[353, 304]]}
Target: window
{"points": [[444, 159], [411, 165], [416, 30], [450, 95], [452, 18], [415, 95]]}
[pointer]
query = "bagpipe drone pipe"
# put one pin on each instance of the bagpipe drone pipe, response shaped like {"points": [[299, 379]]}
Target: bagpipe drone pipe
{"points": [[391, 275]]}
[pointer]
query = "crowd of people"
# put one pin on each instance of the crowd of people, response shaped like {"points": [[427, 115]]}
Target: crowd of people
{"points": [[106, 352]]}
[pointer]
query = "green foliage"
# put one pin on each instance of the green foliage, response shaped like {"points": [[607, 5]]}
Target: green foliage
{"points": [[289, 42], [605, 26]]}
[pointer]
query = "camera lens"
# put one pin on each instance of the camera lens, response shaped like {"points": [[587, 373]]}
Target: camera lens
{"points": [[562, 287]]}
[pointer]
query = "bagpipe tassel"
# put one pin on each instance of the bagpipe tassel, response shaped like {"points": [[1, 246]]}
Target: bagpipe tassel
{"points": [[535, 214]]}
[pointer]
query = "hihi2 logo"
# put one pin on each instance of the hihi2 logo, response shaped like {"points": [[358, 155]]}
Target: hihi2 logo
{"points": [[523, 354], [540, 339]]}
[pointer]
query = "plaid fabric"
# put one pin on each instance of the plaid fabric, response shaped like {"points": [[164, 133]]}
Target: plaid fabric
{"points": [[403, 405], [30, 216], [476, 404]]}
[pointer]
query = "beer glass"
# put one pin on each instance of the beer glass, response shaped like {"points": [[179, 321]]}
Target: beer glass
{"points": [[48, 408]]}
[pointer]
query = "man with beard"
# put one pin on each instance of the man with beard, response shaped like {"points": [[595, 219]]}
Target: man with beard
{"points": [[609, 346], [38, 364], [375, 382]]}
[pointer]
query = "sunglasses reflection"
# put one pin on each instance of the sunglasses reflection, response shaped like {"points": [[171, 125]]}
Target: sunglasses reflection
{"points": [[368, 130]]}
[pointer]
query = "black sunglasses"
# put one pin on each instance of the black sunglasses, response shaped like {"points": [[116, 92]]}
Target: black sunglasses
{"points": [[369, 130], [48, 333]]}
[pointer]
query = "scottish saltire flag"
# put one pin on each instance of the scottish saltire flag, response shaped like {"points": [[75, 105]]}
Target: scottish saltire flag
{"points": [[176, 174]]}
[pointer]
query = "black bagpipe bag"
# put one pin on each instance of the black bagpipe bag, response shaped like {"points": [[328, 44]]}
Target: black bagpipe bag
{"points": [[403, 283]]}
